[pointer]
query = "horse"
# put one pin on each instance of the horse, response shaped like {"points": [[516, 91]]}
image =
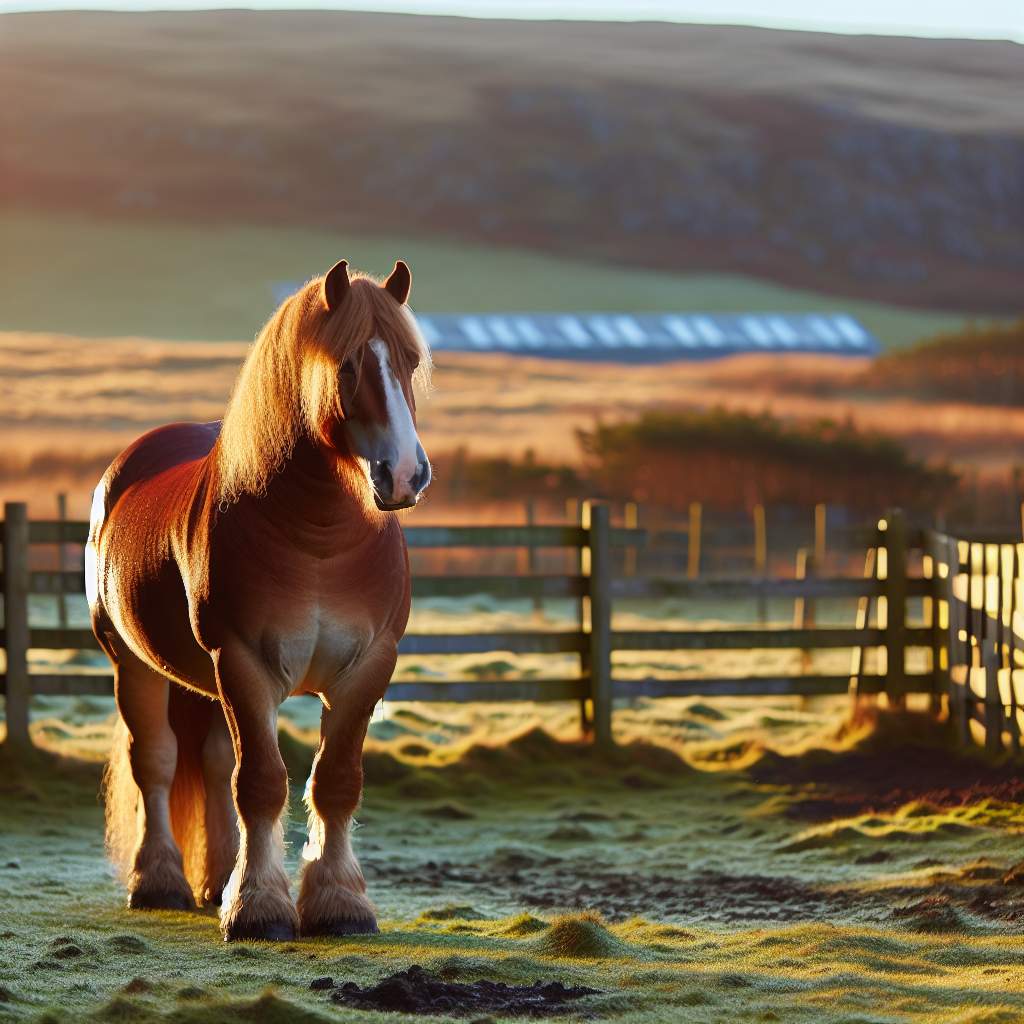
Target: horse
{"points": [[233, 564]]}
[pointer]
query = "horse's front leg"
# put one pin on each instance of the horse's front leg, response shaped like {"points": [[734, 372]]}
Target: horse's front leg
{"points": [[332, 900], [256, 902]]}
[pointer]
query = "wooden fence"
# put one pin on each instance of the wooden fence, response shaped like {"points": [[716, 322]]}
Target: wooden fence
{"points": [[886, 587], [978, 624]]}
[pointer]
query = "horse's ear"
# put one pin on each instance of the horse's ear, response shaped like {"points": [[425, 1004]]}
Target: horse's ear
{"points": [[336, 285], [399, 284]]}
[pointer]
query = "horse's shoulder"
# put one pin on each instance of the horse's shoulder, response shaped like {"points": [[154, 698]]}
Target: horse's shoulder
{"points": [[158, 451]]}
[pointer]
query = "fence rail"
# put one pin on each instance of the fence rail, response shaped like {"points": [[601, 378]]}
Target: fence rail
{"points": [[967, 643]]}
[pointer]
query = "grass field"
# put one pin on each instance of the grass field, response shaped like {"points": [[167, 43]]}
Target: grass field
{"points": [[189, 282], [748, 862]]}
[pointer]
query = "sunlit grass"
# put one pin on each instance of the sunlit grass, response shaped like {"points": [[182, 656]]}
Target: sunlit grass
{"points": [[495, 849]]}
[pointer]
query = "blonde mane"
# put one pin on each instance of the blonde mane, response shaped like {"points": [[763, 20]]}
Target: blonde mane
{"points": [[288, 385]]}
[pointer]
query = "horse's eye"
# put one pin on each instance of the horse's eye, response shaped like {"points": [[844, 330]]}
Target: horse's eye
{"points": [[348, 368]]}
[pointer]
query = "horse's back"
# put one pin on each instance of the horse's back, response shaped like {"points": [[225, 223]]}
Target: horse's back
{"points": [[154, 454], [140, 519]]}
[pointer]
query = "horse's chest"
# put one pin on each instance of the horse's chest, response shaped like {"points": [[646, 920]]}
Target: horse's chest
{"points": [[318, 649], [327, 635]]}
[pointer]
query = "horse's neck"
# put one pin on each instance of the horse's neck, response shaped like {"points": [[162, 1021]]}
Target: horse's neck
{"points": [[317, 494]]}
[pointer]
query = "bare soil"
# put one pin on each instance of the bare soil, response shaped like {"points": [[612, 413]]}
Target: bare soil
{"points": [[415, 990]]}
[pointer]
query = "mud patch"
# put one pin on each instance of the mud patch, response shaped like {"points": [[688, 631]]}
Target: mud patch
{"points": [[552, 884], [904, 758], [416, 991], [708, 897]]}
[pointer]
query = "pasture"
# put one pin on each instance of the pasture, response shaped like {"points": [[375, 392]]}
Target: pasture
{"points": [[194, 281], [747, 861], [649, 767]]}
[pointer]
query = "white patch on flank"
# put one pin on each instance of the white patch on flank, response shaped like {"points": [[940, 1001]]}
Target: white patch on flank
{"points": [[402, 429], [96, 515]]}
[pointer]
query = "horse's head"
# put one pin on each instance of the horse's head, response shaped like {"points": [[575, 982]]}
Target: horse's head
{"points": [[379, 353]]}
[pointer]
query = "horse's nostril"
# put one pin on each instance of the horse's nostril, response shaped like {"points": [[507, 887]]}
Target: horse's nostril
{"points": [[380, 472]]}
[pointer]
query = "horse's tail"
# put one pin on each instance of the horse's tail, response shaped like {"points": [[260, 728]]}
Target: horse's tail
{"points": [[121, 800], [190, 717]]}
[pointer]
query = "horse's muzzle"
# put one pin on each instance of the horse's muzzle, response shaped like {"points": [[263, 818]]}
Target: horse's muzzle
{"points": [[386, 494]]}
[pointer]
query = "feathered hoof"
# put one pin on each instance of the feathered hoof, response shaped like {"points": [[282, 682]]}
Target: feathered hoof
{"points": [[341, 927], [259, 931], [161, 899], [212, 897]]}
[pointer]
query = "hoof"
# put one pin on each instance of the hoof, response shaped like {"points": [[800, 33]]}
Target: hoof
{"points": [[143, 899], [270, 931], [341, 927]]}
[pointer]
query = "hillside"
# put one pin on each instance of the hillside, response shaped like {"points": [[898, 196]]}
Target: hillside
{"points": [[190, 282], [887, 169]]}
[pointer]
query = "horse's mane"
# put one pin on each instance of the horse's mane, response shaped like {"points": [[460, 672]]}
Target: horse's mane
{"points": [[288, 385]]}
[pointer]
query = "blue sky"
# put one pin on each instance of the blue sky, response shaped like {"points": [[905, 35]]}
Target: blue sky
{"points": [[999, 19]]}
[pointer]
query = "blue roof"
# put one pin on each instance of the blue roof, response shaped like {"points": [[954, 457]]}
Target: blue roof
{"points": [[640, 337], [646, 337]]}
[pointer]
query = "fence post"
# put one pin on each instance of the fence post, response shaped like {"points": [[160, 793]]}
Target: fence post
{"points": [[599, 573], [933, 608], [895, 607], [16, 585], [62, 563], [1011, 647], [820, 535], [858, 659], [693, 542], [631, 521], [959, 647], [804, 613], [761, 558], [993, 701]]}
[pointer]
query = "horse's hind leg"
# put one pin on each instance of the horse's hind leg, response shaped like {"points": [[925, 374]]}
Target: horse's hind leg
{"points": [[157, 878], [221, 823]]}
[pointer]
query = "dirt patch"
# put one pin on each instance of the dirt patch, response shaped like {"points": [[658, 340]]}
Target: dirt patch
{"points": [[416, 991], [710, 897], [707, 896], [904, 758]]}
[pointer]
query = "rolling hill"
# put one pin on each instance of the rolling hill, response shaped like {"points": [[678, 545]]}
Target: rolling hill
{"points": [[878, 168]]}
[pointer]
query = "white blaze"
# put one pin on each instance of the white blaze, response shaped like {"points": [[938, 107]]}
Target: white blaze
{"points": [[404, 443]]}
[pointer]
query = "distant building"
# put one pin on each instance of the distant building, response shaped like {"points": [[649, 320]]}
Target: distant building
{"points": [[647, 337], [640, 337]]}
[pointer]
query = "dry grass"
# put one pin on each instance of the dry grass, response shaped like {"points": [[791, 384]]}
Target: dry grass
{"points": [[67, 404]]}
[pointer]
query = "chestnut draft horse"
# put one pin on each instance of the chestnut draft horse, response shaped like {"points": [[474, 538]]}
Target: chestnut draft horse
{"points": [[233, 564]]}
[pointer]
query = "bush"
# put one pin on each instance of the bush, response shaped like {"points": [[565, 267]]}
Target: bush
{"points": [[734, 459], [978, 365]]}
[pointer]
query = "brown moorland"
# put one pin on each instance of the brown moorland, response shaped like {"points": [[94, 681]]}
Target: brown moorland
{"points": [[67, 404], [884, 168]]}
